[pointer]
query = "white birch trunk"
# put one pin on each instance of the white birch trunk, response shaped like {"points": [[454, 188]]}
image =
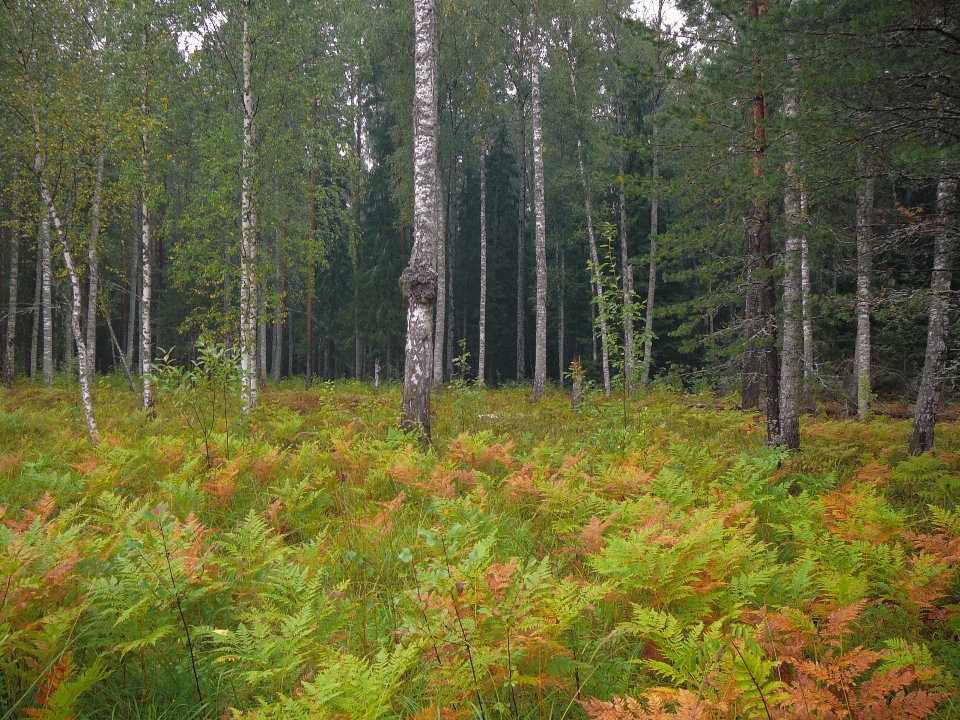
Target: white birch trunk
{"points": [[629, 362], [540, 215], [262, 333], [521, 243], [482, 356], [277, 330], [37, 292], [806, 302], [925, 415], [133, 294], [861, 357], [8, 354], [75, 311], [248, 293], [146, 265], [419, 279], [67, 339], [47, 303], [93, 269], [792, 359]]}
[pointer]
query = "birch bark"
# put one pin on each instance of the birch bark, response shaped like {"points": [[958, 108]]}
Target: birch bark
{"points": [[540, 214], [521, 244], [93, 269], [47, 295], [37, 292], [248, 248], [806, 302], [861, 357], [925, 415], [440, 323], [146, 263], [482, 355], [792, 357], [8, 354], [419, 278], [277, 359]]}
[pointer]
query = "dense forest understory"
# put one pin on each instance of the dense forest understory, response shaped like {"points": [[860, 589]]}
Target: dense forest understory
{"points": [[534, 562]]}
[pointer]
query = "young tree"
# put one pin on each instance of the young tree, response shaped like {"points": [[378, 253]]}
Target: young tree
{"points": [[861, 355], [539, 207]]}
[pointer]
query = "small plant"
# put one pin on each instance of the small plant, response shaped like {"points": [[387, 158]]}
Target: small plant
{"points": [[207, 395], [467, 395]]}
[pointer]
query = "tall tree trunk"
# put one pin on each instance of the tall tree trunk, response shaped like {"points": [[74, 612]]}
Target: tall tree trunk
{"points": [[47, 271], [311, 284], [629, 362], [861, 356], [451, 275], [37, 293], [262, 332], [806, 302], [277, 360], [67, 338], [925, 415], [93, 269], [419, 278], [594, 255], [51, 214], [146, 263], [440, 323], [248, 230], [540, 215], [561, 330], [482, 355], [521, 241], [652, 270], [134, 292], [8, 354], [791, 368]]}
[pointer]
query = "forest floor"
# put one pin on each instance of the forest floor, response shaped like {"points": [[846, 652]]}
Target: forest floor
{"points": [[534, 563]]}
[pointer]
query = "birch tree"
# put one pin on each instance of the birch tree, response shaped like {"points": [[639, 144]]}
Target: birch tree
{"points": [[248, 240], [8, 350], [419, 279], [861, 355], [540, 214], [482, 354], [792, 357]]}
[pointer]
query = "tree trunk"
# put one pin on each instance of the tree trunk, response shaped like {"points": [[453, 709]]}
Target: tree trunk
{"points": [[451, 273], [311, 285], [594, 255], [47, 271], [146, 263], [67, 338], [808, 369], [861, 356], [8, 354], [51, 214], [521, 244], [629, 362], [652, 271], [482, 355], [248, 241], [277, 360], [93, 268], [262, 333], [37, 293], [419, 278], [562, 325], [791, 366], [925, 415], [440, 323], [134, 292], [540, 238]]}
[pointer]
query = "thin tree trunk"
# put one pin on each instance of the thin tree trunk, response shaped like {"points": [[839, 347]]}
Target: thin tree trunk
{"points": [[792, 363], [8, 354], [67, 338], [277, 360], [440, 324], [540, 215], [134, 292], [861, 357], [750, 390], [93, 268], [37, 294], [925, 415], [451, 273], [652, 271], [311, 285], [808, 369], [262, 333], [594, 255], [47, 271], [51, 214], [146, 263], [521, 242], [419, 278], [482, 355], [248, 242], [629, 362]]}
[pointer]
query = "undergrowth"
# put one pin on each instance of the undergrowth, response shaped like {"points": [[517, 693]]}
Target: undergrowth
{"points": [[534, 563]]}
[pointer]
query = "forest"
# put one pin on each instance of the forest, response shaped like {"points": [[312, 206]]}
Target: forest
{"points": [[449, 359]]}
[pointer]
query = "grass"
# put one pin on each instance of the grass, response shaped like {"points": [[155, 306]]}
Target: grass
{"points": [[532, 563]]}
